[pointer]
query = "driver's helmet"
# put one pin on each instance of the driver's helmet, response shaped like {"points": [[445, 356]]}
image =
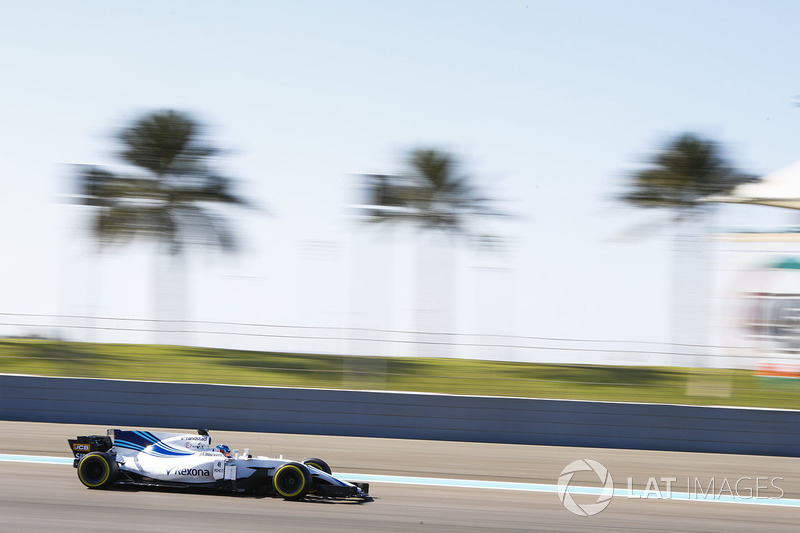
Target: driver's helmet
{"points": [[223, 449]]}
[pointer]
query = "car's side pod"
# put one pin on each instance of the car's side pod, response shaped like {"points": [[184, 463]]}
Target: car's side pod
{"points": [[88, 443]]}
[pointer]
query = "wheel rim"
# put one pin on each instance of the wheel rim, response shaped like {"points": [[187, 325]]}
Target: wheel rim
{"points": [[95, 471], [290, 481]]}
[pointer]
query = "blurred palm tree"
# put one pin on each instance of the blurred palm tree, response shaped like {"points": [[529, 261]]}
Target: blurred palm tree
{"points": [[430, 194], [687, 170], [175, 197]]}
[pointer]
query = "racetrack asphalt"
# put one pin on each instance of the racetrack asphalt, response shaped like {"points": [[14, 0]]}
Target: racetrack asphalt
{"points": [[42, 497]]}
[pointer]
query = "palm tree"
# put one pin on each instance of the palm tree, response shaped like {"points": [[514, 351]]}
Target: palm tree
{"points": [[433, 196], [430, 194], [687, 170], [173, 200], [175, 196]]}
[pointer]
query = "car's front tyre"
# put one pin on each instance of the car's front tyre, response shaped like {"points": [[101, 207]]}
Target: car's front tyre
{"points": [[292, 481], [97, 470], [317, 463]]}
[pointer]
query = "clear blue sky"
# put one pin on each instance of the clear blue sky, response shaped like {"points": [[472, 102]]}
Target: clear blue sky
{"points": [[550, 104]]}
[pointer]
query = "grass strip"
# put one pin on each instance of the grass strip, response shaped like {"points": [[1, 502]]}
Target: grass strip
{"points": [[451, 376]]}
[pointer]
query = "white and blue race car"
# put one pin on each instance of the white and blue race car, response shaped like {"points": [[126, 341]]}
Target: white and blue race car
{"points": [[157, 459]]}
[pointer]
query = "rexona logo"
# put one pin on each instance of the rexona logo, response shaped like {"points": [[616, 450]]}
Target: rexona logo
{"points": [[603, 496], [196, 472]]}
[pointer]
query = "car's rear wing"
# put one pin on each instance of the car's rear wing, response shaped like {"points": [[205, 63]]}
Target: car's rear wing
{"points": [[80, 446]]}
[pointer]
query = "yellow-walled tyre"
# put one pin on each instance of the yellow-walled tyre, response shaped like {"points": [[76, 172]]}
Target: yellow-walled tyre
{"points": [[317, 463], [292, 481], [97, 470]]}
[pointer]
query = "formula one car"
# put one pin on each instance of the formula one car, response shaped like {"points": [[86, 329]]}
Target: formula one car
{"points": [[144, 458]]}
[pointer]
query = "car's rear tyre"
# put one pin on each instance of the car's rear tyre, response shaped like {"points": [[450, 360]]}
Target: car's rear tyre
{"points": [[292, 481], [317, 463], [97, 470]]}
